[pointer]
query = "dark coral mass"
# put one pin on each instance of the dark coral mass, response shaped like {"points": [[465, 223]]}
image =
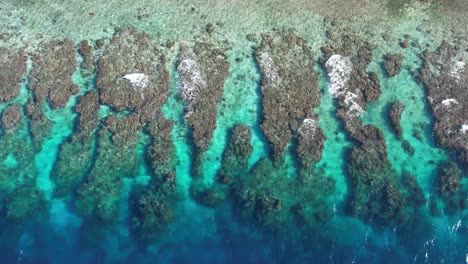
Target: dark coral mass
{"points": [[234, 131]]}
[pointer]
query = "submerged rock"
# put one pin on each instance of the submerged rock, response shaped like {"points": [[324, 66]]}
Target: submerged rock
{"points": [[151, 216], [415, 195], [407, 147], [266, 196]]}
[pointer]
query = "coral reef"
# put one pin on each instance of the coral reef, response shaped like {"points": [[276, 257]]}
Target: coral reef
{"points": [[12, 69], [392, 64], [445, 80], [51, 77], [396, 109], [289, 88], [11, 117], [203, 69]]}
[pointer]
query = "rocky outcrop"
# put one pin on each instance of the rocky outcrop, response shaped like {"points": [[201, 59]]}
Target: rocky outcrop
{"points": [[51, 77], [289, 87], [12, 69], [396, 110], [445, 79], [392, 64], [203, 69]]}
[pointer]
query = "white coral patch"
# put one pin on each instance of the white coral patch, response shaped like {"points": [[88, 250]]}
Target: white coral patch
{"points": [[308, 127], [457, 69], [448, 102], [193, 81], [339, 71], [270, 71], [137, 80], [350, 97], [464, 128]]}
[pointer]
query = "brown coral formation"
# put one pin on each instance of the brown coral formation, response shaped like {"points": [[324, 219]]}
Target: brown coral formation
{"points": [[375, 191], [310, 142], [451, 188], [11, 117], [39, 125], [115, 160], [51, 77], [12, 69], [392, 64], [289, 87], [203, 69], [445, 80], [237, 153], [132, 75], [76, 154], [396, 110]]}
